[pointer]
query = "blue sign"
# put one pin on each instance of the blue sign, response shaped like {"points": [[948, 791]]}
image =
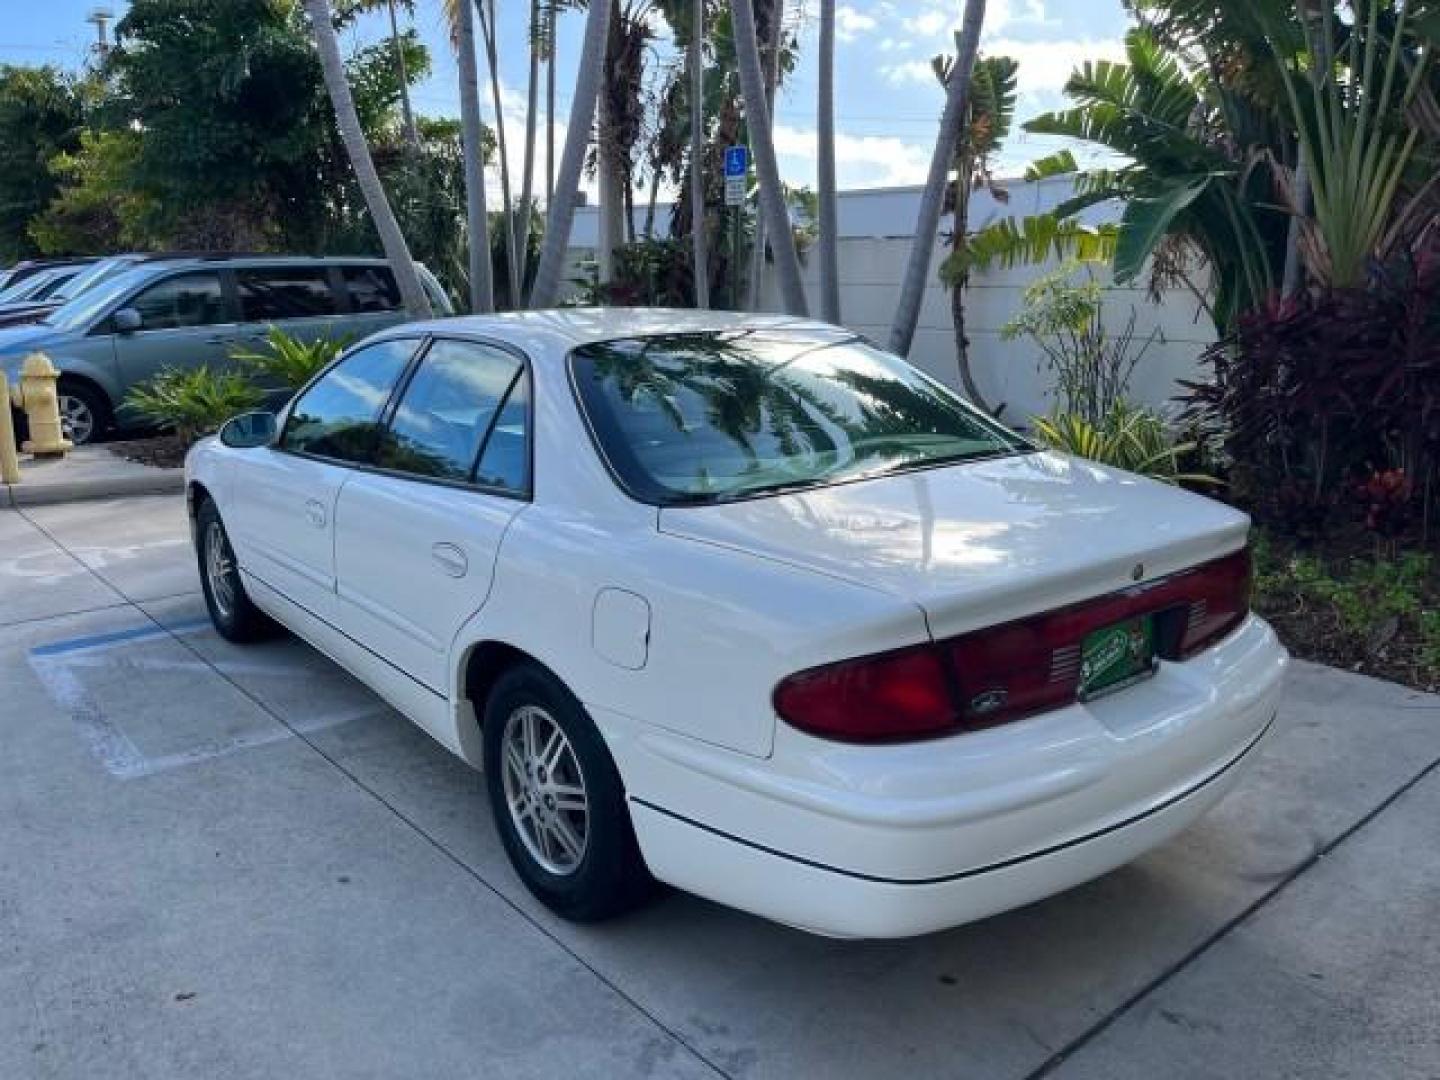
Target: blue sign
{"points": [[737, 161]]}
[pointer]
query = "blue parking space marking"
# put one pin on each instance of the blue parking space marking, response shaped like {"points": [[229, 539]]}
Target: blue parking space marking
{"points": [[91, 641]]}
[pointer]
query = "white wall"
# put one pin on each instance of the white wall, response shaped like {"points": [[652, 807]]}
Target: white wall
{"points": [[875, 228]]}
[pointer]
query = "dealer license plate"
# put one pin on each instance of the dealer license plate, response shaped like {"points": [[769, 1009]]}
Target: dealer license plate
{"points": [[1116, 656]]}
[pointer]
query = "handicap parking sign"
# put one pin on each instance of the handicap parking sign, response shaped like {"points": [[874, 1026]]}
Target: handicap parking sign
{"points": [[737, 161]]}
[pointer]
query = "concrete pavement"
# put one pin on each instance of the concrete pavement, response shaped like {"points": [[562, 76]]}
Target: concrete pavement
{"points": [[230, 862], [87, 472]]}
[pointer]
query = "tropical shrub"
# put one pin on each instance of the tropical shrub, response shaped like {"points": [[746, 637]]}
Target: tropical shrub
{"points": [[650, 273], [1063, 315], [286, 361], [195, 402], [1127, 437], [1319, 396]]}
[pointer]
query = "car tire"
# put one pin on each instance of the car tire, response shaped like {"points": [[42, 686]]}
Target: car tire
{"points": [[234, 615], [560, 806], [85, 412]]}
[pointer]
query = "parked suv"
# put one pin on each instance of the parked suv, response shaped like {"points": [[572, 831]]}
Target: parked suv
{"points": [[185, 313]]}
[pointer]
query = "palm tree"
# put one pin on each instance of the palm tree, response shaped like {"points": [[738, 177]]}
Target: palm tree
{"points": [[696, 58], [527, 183], [407, 277], [912, 293], [407, 112], [772, 195], [829, 210], [774, 40], [577, 139], [482, 284], [988, 116], [486, 10]]}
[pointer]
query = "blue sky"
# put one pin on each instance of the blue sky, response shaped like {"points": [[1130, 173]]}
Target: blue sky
{"points": [[887, 100]]}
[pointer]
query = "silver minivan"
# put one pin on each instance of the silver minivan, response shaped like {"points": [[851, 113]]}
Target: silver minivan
{"points": [[188, 312]]}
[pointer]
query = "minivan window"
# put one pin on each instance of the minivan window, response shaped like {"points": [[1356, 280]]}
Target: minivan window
{"points": [[710, 417], [83, 310], [448, 410], [371, 288], [182, 301], [339, 416], [274, 294]]}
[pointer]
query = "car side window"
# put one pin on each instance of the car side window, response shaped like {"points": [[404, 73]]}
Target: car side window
{"points": [[451, 412], [505, 461], [284, 293], [182, 301], [339, 416], [371, 288]]}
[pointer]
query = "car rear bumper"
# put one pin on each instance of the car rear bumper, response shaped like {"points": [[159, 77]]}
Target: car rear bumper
{"points": [[893, 841]]}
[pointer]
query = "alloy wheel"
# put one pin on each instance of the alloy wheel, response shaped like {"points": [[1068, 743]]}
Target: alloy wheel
{"points": [[76, 418], [220, 570], [545, 790]]}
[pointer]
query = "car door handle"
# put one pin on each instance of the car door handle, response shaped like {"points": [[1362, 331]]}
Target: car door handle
{"points": [[450, 559], [315, 513]]}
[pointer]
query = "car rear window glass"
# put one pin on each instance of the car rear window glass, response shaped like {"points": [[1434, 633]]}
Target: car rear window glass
{"points": [[271, 295], [448, 411], [372, 288], [710, 417], [339, 416], [181, 301]]}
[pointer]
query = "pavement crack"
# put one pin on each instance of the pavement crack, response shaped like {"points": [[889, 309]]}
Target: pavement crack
{"points": [[1057, 1059], [444, 851]]}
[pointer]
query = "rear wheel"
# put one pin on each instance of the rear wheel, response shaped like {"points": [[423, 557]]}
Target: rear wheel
{"points": [[234, 615], [558, 800], [84, 411]]}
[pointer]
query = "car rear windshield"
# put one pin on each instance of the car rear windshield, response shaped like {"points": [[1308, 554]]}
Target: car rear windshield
{"points": [[713, 417]]}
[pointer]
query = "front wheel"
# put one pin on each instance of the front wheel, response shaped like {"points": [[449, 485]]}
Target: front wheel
{"points": [[235, 617], [84, 411], [558, 800]]}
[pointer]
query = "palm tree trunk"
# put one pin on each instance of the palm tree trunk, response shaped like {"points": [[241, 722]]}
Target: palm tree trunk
{"points": [[957, 292], [698, 239], [407, 277], [527, 184], [772, 83], [829, 195], [482, 284], [772, 196], [912, 293], [551, 29], [407, 113], [512, 258], [577, 140], [1294, 272], [610, 166]]}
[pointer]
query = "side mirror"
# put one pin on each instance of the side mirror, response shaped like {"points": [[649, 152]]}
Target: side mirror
{"points": [[249, 431], [127, 320]]}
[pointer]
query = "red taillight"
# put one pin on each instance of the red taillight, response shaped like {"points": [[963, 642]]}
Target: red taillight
{"points": [[1219, 595], [1007, 672], [899, 695]]}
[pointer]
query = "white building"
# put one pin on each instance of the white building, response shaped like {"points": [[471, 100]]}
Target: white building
{"points": [[876, 227]]}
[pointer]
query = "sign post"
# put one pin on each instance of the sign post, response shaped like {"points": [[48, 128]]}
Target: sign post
{"points": [[737, 175]]}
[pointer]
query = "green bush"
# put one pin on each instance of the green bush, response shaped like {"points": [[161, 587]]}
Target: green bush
{"points": [[194, 403], [287, 362], [1127, 437]]}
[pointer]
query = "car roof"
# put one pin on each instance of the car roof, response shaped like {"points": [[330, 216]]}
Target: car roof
{"points": [[568, 328]]}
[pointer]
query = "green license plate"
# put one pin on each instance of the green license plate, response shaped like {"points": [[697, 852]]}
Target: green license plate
{"points": [[1116, 656]]}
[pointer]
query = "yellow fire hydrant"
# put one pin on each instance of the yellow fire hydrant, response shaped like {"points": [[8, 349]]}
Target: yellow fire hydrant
{"points": [[38, 396]]}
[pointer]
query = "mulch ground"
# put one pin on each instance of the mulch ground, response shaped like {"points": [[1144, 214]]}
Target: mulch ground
{"points": [[160, 451]]}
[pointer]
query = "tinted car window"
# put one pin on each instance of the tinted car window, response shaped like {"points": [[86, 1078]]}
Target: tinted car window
{"points": [[695, 418], [338, 417], [270, 295], [371, 288], [505, 462], [186, 300], [448, 410]]}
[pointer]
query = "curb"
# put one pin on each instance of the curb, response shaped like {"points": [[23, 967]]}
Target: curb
{"points": [[162, 482]]}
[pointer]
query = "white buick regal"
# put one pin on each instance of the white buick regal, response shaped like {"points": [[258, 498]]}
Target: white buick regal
{"points": [[748, 606]]}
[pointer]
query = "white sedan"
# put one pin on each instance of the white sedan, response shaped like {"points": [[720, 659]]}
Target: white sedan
{"points": [[745, 605]]}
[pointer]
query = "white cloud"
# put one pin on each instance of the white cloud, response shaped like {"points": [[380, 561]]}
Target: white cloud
{"points": [[850, 22], [860, 160], [1044, 65]]}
